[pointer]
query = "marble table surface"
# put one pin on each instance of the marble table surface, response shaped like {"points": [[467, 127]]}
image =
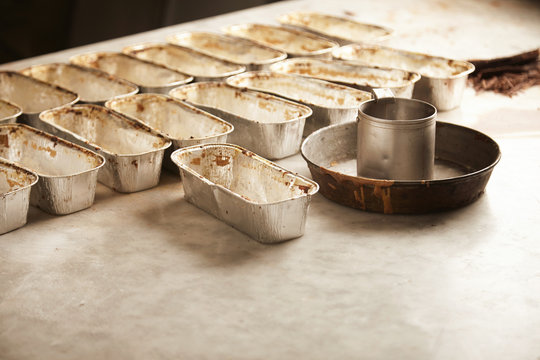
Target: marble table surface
{"points": [[149, 276]]}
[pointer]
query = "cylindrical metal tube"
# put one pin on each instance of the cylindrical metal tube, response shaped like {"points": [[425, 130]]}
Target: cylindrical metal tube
{"points": [[396, 139]]}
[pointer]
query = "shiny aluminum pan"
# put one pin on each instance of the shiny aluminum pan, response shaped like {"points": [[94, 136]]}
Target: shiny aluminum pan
{"points": [[9, 112], [250, 54], [443, 80], [67, 172], [183, 124], [340, 29], [133, 151], [92, 85], [331, 103], [293, 42], [267, 125], [149, 77], [202, 67], [464, 161], [246, 191], [359, 76], [32, 96], [15, 185]]}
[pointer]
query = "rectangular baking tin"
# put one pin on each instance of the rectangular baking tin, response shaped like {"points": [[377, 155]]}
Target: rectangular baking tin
{"points": [[92, 85], [342, 30], [133, 151], [183, 124], [202, 67], [267, 125], [32, 96], [291, 41], [331, 103], [359, 76], [250, 54], [149, 77], [67, 172], [15, 185], [246, 191], [443, 80]]}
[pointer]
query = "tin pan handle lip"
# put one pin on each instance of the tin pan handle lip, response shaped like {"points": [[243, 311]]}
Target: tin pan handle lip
{"points": [[312, 191]]}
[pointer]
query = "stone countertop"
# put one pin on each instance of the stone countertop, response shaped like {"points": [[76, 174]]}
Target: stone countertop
{"points": [[149, 276]]}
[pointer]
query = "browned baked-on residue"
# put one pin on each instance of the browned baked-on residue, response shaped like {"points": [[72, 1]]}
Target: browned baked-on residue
{"points": [[238, 94], [384, 194], [140, 107], [47, 149], [265, 105], [304, 188], [135, 163], [247, 153], [4, 140], [14, 183], [195, 161], [222, 160]]}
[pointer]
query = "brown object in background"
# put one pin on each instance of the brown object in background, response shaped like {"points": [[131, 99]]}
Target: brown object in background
{"points": [[507, 75]]}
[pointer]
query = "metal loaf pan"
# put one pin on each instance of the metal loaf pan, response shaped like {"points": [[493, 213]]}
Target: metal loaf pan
{"points": [[293, 42], [9, 112], [15, 185], [32, 96], [183, 124], [331, 103], [359, 76], [202, 67], [246, 191], [340, 29], [93, 86], [464, 161], [133, 151], [67, 172], [250, 54], [149, 77], [443, 80], [267, 125]]}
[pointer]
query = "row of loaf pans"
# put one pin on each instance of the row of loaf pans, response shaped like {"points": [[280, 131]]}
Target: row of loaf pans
{"points": [[203, 56], [270, 111], [244, 190], [111, 134], [159, 68]]}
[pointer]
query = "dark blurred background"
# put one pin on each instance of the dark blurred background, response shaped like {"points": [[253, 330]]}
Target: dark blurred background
{"points": [[31, 27]]}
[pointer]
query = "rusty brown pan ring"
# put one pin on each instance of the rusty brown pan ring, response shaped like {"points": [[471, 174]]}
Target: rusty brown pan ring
{"points": [[464, 161]]}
